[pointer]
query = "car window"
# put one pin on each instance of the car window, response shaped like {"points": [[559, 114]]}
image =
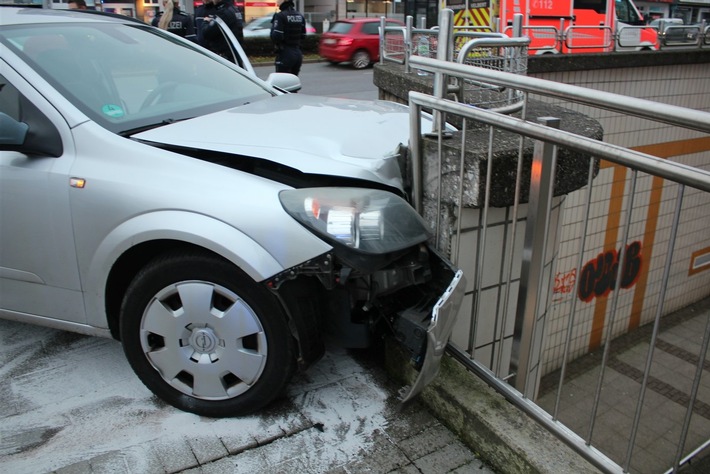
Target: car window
{"points": [[264, 22], [9, 99], [130, 76], [340, 27], [371, 28]]}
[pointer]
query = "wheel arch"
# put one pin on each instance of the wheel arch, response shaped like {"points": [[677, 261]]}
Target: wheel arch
{"points": [[129, 246]]}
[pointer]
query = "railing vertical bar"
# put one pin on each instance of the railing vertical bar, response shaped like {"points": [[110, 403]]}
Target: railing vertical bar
{"points": [[657, 321], [500, 318], [543, 250], [459, 211], [442, 53], [513, 236], [439, 140], [408, 45], [615, 298], [691, 455], [693, 394], [480, 252], [415, 153], [575, 289], [540, 181]]}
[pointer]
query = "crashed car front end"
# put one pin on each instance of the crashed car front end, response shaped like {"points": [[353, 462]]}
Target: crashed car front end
{"points": [[381, 275]]}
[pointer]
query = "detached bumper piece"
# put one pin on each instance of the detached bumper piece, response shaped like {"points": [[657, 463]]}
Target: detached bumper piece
{"points": [[425, 332]]}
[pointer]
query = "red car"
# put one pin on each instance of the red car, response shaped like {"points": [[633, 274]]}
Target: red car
{"points": [[354, 40]]}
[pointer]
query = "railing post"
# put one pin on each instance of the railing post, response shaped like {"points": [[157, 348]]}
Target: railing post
{"points": [[541, 183], [408, 43], [444, 52], [383, 25], [517, 25]]}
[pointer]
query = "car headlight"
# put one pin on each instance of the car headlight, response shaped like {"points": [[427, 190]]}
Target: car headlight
{"points": [[366, 220]]}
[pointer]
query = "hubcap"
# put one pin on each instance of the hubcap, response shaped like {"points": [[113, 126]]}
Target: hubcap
{"points": [[204, 340]]}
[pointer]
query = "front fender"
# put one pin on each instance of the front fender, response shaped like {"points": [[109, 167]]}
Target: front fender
{"points": [[197, 229]]}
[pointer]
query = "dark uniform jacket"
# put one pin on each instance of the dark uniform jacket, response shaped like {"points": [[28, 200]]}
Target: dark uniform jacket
{"points": [[181, 24], [288, 28], [210, 34]]}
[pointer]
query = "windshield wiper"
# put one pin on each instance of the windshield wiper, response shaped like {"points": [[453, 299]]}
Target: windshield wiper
{"points": [[133, 131]]}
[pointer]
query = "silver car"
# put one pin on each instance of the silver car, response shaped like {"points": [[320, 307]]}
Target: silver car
{"points": [[220, 228]]}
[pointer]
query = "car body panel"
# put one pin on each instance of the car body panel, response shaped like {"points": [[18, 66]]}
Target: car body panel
{"points": [[282, 130]]}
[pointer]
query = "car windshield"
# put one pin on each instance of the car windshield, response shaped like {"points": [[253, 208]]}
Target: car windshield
{"points": [[131, 76], [340, 27]]}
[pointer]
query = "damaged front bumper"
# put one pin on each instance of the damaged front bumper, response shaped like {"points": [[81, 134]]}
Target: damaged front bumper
{"points": [[426, 336], [381, 272]]}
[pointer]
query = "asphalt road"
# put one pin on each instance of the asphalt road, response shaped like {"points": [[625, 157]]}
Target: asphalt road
{"points": [[325, 79]]}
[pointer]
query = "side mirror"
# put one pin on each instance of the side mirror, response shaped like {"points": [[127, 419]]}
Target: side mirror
{"points": [[12, 132], [41, 138], [284, 81]]}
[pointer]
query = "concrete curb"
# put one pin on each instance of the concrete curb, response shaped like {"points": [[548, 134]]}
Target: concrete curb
{"points": [[503, 436]]}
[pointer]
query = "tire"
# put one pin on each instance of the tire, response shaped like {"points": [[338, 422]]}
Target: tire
{"points": [[204, 337], [361, 59]]}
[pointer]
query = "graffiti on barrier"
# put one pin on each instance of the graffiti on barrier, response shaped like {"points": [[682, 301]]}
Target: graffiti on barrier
{"points": [[564, 282], [598, 276]]}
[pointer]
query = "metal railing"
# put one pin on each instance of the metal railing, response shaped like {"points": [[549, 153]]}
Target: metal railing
{"points": [[625, 38], [518, 381], [684, 36], [467, 45]]}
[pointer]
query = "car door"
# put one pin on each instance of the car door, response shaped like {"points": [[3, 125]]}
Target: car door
{"points": [[38, 266]]}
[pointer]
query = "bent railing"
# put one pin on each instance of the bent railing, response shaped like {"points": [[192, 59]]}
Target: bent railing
{"points": [[511, 361]]}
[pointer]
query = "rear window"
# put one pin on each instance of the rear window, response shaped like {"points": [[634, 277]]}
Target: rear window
{"points": [[371, 28], [340, 27]]}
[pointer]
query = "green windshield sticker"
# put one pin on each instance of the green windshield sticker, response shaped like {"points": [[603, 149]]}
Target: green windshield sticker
{"points": [[113, 111]]}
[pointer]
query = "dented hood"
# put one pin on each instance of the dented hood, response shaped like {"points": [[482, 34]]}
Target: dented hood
{"points": [[319, 135]]}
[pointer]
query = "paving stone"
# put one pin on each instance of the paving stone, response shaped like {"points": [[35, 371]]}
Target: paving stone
{"points": [[207, 448], [448, 458], [428, 441], [175, 455]]}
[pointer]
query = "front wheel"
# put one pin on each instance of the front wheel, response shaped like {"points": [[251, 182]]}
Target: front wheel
{"points": [[361, 59], [204, 337]]}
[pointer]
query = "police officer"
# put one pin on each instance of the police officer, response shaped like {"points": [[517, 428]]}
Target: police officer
{"points": [[211, 36], [175, 21], [288, 28]]}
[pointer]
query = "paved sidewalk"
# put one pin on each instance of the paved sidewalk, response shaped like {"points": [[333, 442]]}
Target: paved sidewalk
{"points": [[666, 398], [71, 404]]}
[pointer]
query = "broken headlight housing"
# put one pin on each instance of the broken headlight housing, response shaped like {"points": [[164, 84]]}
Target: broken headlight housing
{"points": [[359, 223]]}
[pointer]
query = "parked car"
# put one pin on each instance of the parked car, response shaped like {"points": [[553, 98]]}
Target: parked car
{"points": [[673, 32], [262, 27], [354, 40], [154, 192]]}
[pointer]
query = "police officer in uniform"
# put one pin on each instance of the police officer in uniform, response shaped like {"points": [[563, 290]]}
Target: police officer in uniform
{"points": [[175, 21], [288, 28], [211, 36]]}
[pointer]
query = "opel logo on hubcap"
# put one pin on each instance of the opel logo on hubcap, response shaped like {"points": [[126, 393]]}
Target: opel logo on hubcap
{"points": [[203, 340]]}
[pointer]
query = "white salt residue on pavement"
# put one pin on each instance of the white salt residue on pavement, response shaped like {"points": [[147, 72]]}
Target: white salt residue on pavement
{"points": [[70, 399]]}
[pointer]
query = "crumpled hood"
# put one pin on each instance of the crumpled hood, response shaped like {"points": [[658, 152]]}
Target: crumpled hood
{"points": [[319, 135]]}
